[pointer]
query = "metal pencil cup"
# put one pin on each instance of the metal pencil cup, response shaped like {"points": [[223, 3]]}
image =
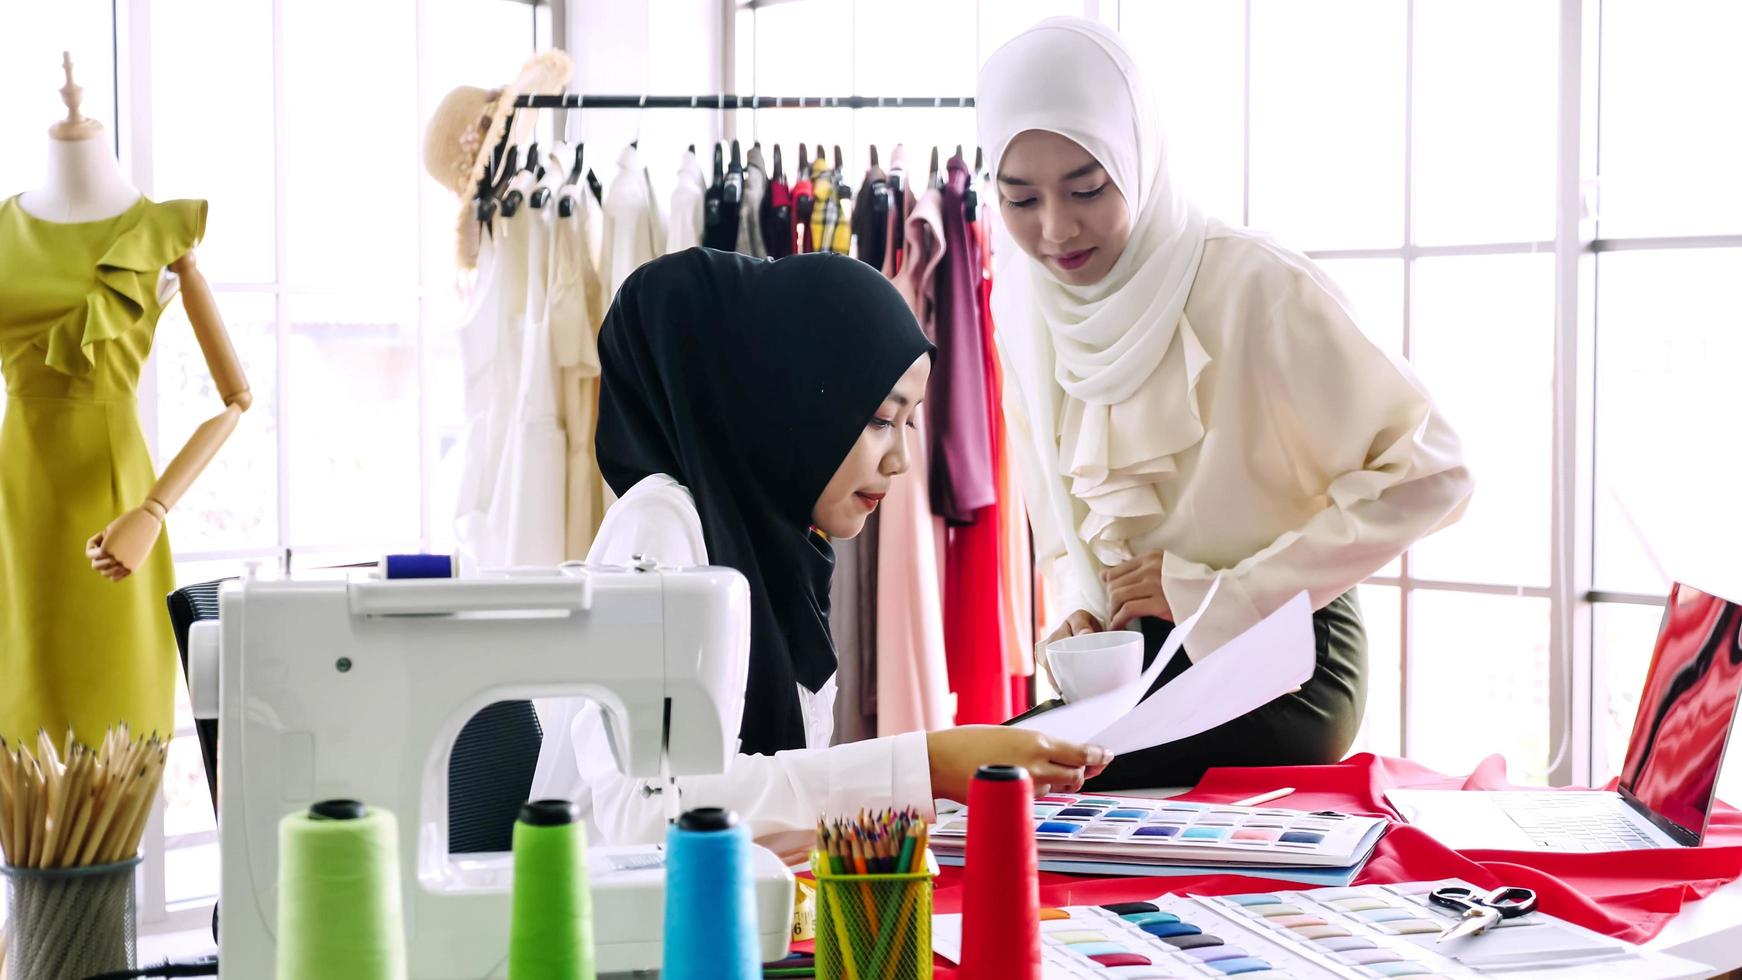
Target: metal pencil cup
{"points": [[70, 923], [872, 927]]}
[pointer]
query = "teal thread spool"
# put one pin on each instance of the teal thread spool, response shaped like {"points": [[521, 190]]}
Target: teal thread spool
{"points": [[710, 901], [339, 912], [551, 935]]}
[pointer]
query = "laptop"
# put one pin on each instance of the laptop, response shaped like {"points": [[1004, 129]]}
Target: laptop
{"points": [[1669, 777]]}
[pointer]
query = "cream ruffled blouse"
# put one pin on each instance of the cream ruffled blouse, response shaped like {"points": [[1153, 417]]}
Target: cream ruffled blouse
{"points": [[1273, 443]]}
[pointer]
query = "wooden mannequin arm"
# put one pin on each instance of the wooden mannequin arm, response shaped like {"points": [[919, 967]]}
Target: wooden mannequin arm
{"points": [[122, 547], [226, 368], [202, 311]]}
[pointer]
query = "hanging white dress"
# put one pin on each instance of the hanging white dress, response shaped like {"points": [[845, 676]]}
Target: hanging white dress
{"points": [[634, 228], [527, 510], [575, 309], [490, 355], [687, 199]]}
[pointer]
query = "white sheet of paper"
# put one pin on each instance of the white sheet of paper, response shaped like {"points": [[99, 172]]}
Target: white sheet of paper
{"points": [[1260, 665], [1272, 658], [1080, 721]]}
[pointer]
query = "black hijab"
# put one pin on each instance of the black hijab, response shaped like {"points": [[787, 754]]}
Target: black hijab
{"points": [[749, 381]]}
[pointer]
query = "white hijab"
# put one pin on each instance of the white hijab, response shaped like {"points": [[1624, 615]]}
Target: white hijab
{"points": [[1122, 357]]}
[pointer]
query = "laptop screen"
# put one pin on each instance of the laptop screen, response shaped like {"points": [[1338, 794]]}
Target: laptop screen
{"points": [[1685, 711]]}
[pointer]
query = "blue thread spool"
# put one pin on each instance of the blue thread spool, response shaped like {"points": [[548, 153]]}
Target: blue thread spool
{"points": [[710, 902], [417, 566]]}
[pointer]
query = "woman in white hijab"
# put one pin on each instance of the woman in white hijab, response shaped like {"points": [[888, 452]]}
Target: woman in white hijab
{"points": [[1189, 400]]}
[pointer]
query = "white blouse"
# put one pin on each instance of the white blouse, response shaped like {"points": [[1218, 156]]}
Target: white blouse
{"points": [[777, 794], [1322, 458]]}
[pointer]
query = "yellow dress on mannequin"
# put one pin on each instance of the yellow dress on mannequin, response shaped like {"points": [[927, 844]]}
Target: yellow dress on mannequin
{"points": [[79, 304]]}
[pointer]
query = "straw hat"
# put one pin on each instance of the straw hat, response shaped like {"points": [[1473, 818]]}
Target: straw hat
{"points": [[468, 124]]}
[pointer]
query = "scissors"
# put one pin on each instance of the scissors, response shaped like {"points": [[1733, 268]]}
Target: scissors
{"points": [[1481, 910]]}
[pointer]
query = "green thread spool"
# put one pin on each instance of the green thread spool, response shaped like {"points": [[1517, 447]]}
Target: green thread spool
{"points": [[551, 935], [339, 912]]}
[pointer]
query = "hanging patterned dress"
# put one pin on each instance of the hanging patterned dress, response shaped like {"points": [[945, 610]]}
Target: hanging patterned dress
{"points": [[79, 304]]}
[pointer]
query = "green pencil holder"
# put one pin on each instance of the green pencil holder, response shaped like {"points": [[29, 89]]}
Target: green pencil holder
{"points": [[873, 927]]}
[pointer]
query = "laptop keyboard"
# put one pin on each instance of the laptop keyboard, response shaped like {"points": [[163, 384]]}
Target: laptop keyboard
{"points": [[1569, 822]]}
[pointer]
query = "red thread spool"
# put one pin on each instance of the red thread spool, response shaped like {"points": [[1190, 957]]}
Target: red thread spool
{"points": [[1001, 892]]}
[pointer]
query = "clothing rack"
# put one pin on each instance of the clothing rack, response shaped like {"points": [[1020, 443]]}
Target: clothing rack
{"points": [[719, 101]]}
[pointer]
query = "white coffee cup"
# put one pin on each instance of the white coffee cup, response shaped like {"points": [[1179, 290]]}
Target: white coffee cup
{"points": [[1095, 663]]}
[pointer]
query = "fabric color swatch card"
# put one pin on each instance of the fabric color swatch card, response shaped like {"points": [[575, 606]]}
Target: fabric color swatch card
{"points": [[1342, 933], [1134, 830]]}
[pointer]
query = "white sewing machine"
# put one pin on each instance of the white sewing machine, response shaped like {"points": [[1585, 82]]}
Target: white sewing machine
{"points": [[357, 689]]}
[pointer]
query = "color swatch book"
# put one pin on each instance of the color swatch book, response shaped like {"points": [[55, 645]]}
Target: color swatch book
{"points": [[1132, 830], [1321, 934]]}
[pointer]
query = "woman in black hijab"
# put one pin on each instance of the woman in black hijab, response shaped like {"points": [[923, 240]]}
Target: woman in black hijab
{"points": [[746, 406]]}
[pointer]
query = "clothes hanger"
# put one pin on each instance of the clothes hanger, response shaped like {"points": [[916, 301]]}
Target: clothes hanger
{"points": [[804, 167], [517, 174], [580, 149], [510, 167], [514, 191], [535, 163], [484, 197], [734, 189], [779, 168], [972, 204], [936, 179]]}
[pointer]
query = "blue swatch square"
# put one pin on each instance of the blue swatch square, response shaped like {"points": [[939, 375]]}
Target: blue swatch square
{"points": [[1078, 811], [1384, 915], [1255, 899], [1165, 930], [1301, 837], [1058, 827], [1248, 964], [1156, 830], [1205, 833], [1125, 814]]}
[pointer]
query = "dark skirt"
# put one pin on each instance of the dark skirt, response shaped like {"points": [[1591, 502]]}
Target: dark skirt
{"points": [[1312, 726]]}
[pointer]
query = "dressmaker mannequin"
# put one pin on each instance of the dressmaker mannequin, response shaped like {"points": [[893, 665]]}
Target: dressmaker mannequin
{"points": [[86, 184]]}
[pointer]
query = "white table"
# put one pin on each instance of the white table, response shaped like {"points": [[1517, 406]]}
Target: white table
{"points": [[1708, 931]]}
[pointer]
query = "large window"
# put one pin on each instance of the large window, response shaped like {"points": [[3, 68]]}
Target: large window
{"points": [[1417, 150], [331, 255], [1668, 331], [1356, 132]]}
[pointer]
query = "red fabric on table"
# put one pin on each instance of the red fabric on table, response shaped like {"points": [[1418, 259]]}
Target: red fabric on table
{"points": [[1628, 895]]}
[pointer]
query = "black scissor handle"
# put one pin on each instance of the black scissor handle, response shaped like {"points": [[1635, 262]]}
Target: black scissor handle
{"points": [[1456, 897], [1511, 901]]}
